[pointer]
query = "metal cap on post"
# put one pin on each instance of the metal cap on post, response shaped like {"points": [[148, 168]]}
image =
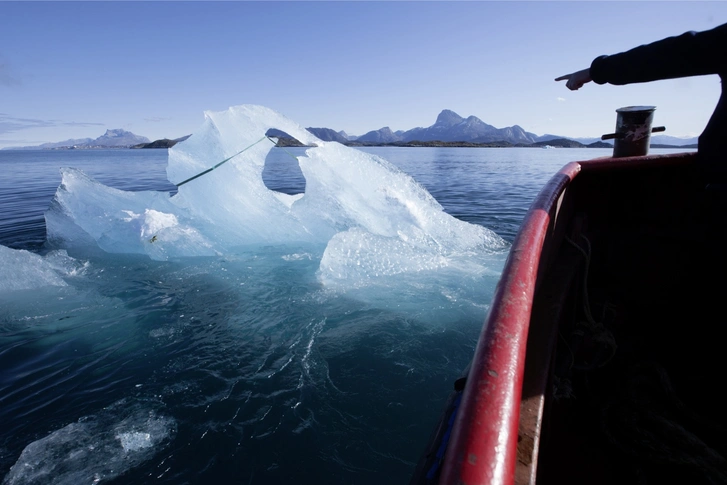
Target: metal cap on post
{"points": [[633, 131]]}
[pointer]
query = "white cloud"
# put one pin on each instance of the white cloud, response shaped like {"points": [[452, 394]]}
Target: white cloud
{"points": [[560, 99]]}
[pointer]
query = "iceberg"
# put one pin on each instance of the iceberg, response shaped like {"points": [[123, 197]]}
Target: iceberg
{"points": [[372, 219], [28, 271], [85, 213], [96, 448]]}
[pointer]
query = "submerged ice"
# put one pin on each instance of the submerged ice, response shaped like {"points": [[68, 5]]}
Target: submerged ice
{"points": [[96, 448], [373, 219]]}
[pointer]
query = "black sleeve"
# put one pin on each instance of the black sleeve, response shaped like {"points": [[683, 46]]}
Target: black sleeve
{"points": [[690, 54]]}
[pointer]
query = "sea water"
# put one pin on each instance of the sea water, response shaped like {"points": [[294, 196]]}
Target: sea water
{"points": [[247, 365]]}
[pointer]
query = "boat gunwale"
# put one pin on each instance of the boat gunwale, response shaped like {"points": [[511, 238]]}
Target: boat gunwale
{"points": [[483, 444]]}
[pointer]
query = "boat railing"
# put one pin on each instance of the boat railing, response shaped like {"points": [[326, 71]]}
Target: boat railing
{"points": [[485, 440]]}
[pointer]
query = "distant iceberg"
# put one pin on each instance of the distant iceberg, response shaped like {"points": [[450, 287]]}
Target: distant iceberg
{"points": [[372, 219]]}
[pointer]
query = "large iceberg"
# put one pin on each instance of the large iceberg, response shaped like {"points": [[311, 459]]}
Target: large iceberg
{"points": [[372, 219]]}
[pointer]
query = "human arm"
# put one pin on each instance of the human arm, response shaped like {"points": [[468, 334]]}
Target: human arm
{"points": [[690, 54], [576, 80]]}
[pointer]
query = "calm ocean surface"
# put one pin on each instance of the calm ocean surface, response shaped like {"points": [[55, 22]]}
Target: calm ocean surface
{"points": [[234, 370]]}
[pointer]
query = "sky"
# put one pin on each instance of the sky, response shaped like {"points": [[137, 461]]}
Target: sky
{"points": [[74, 69]]}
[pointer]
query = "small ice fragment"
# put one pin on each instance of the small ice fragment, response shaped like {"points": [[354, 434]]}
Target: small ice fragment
{"points": [[134, 440]]}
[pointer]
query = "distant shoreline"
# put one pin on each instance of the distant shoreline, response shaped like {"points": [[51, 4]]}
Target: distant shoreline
{"points": [[557, 143], [362, 145], [293, 143]]}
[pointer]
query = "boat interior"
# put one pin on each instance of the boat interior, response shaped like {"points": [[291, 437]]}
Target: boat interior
{"points": [[625, 353], [602, 357]]}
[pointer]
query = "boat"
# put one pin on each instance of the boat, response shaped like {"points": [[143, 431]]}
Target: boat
{"points": [[548, 147], [601, 359]]}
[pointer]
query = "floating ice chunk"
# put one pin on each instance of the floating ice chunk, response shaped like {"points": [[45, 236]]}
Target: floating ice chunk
{"points": [[23, 270], [65, 265], [135, 440], [95, 449], [357, 258], [347, 188], [384, 222], [87, 213], [354, 202], [359, 255], [232, 201], [225, 133]]}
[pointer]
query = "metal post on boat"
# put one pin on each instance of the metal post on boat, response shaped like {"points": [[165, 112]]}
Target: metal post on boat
{"points": [[633, 131]]}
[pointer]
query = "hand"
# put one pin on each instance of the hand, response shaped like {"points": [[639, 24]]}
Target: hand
{"points": [[576, 79]]}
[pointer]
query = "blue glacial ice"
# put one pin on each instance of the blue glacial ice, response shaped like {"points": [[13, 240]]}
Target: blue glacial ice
{"points": [[373, 219], [27, 271], [96, 448]]}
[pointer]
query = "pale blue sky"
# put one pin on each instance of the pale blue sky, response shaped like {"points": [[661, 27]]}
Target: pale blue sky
{"points": [[72, 70]]}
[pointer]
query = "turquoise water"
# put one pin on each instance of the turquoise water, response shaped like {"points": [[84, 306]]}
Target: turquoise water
{"points": [[241, 368]]}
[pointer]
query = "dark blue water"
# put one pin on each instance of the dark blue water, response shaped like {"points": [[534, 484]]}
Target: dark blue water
{"points": [[243, 368]]}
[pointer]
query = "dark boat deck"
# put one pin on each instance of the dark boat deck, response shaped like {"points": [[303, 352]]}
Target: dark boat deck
{"points": [[652, 412], [602, 357]]}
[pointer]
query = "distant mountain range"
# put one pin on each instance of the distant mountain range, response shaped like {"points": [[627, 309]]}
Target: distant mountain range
{"points": [[449, 129], [111, 139]]}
